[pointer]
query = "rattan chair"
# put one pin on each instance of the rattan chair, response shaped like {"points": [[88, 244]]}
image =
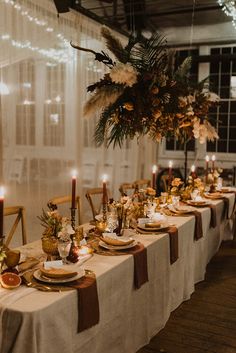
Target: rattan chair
{"points": [[19, 211], [94, 197], [55, 201]]}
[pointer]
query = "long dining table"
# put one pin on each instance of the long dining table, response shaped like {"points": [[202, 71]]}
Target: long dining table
{"points": [[39, 322]]}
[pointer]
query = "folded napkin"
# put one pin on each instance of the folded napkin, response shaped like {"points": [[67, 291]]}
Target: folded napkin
{"points": [[226, 208], [198, 233], [29, 263], [174, 244], [139, 253], [213, 221], [88, 304]]}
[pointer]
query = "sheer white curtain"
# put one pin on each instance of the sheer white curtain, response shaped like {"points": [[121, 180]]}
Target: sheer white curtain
{"points": [[44, 133]]}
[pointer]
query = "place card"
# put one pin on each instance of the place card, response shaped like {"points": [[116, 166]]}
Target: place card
{"points": [[52, 264]]}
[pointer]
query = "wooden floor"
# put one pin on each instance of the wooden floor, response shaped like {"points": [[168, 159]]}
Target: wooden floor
{"points": [[207, 322]]}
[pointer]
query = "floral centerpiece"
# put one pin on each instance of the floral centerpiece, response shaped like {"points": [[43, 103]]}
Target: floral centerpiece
{"points": [[193, 184], [142, 94], [56, 227], [176, 186]]}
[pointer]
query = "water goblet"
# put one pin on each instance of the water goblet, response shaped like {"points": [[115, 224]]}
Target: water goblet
{"points": [[64, 249]]}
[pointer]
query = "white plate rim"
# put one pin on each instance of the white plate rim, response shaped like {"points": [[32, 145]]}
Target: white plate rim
{"points": [[37, 275], [154, 229], [117, 247], [200, 203]]}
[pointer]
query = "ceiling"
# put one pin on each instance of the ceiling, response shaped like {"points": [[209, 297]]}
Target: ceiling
{"points": [[150, 15]]}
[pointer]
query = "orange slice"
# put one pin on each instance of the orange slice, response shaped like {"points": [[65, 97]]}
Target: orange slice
{"points": [[10, 280]]}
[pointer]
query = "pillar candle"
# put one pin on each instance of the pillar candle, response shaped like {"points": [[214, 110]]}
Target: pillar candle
{"points": [[73, 192], [1, 214], [154, 173]]}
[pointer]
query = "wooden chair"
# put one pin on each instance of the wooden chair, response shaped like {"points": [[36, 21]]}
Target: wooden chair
{"points": [[165, 181], [142, 184], [126, 188], [19, 211], [94, 197], [54, 202]]}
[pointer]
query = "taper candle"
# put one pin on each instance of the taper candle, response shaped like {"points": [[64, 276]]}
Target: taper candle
{"points": [[170, 173], [104, 190], [154, 174], [207, 164], [213, 158], [1, 214], [193, 174], [73, 191]]}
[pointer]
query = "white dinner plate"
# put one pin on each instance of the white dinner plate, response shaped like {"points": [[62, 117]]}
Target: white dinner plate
{"points": [[162, 227], [117, 247], [38, 275], [181, 209]]}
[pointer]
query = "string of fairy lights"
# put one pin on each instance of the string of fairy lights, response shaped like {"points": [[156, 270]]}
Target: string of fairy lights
{"points": [[229, 8], [63, 55]]}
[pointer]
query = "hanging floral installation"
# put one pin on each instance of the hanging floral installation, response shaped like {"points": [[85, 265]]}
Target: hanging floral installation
{"points": [[143, 95]]}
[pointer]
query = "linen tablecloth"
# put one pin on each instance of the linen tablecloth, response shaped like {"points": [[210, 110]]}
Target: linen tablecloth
{"points": [[47, 322]]}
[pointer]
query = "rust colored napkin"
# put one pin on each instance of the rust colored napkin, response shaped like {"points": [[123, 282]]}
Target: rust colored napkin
{"points": [[213, 221], [198, 233], [139, 253], [88, 305], [226, 208], [174, 244]]}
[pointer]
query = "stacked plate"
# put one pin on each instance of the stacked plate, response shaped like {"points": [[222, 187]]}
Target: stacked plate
{"points": [[198, 203], [180, 209], [58, 275], [111, 241], [213, 195]]}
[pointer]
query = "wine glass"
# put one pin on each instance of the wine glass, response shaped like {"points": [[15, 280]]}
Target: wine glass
{"points": [[64, 249]]}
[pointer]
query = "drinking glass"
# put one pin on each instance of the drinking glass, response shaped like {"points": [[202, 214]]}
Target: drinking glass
{"points": [[175, 201], [111, 221], [64, 249], [195, 194]]}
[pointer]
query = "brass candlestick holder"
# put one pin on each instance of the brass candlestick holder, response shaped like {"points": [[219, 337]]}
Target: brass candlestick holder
{"points": [[104, 212], [72, 212]]}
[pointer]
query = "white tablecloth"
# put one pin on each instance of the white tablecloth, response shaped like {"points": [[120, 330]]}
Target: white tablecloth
{"points": [[40, 322]]}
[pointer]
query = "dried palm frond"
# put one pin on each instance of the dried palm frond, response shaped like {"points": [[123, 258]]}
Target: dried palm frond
{"points": [[113, 44], [102, 98]]}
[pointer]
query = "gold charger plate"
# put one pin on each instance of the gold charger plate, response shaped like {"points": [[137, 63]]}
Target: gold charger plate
{"points": [[214, 196], [153, 230], [198, 203]]}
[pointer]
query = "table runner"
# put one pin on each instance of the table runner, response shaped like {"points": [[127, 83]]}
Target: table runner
{"points": [[226, 208]]}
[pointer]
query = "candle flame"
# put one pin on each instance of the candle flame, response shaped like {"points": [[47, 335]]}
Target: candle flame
{"points": [[213, 158], [2, 192], [154, 169], [207, 158], [104, 178], [74, 173], [170, 164], [193, 168]]}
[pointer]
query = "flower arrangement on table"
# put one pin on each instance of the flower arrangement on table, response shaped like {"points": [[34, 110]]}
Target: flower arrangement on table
{"points": [[192, 184], [176, 186], [56, 227], [143, 95]]}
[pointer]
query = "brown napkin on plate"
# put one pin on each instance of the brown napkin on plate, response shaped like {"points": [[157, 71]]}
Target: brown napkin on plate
{"points": [[174, 244], [198, 233], [88, 304], [139, 253]]}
